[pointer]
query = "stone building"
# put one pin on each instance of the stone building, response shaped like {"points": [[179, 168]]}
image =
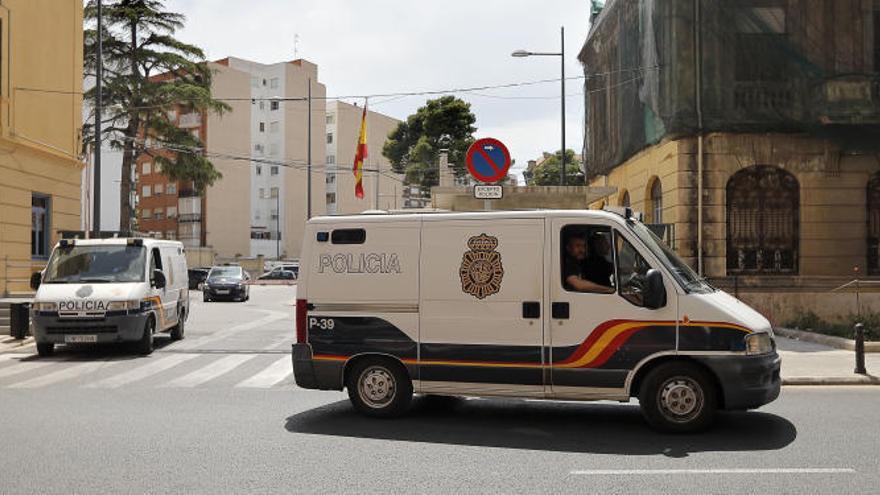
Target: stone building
{"points": [[748, 132]]}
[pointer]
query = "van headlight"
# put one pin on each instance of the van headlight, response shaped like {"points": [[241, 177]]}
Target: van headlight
{"points": [[46, 306], [123, 305], [759, 343]]}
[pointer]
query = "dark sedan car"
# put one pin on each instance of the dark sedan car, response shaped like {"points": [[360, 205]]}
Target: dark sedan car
{"points": [[197, 277], [227, 282]]}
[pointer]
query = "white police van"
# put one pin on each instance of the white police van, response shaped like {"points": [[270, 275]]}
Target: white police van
{"points": [[569, 305], [110, 290]]}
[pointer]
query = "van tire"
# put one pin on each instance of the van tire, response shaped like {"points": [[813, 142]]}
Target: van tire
{"points": [[379, 387], [678, 397], [145, 344], [177, 331], [205, 298], [45, 349]]}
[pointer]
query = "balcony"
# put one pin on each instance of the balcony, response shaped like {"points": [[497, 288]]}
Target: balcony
{"points": [[187, 193], [847, 100], [188, 120], [189, 218]]}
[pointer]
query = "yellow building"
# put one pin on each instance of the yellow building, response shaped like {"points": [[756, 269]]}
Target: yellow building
{"points": [[41, 76]]}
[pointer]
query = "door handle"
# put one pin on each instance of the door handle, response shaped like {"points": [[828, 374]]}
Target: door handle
{"points": [[531, 310], [559, 310]]}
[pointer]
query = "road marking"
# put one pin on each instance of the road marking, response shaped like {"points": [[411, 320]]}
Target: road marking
{"points": [[141, 372], [272, 375], [211, 371], [599, 472], [271, 316], [18, 368], [66, 373]]}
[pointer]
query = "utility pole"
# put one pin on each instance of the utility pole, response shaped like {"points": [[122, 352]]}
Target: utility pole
{"points": [[378, 172], [309, 155], [99, 74], [278, 225], [562, 58]]}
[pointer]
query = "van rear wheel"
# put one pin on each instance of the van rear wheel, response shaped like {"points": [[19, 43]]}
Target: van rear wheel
{"points": [[678, 397], [379, 387], [177, 332]]}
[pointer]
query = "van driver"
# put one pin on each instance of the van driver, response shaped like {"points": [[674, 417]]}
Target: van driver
{"points": [[573, 268]]}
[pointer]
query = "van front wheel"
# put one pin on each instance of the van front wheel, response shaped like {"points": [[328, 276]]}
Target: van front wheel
{"points": [[678, 397], [379, 387], [145, 344]]}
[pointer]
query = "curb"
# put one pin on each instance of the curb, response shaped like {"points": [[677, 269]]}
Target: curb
{"points": [[830, 380], [830, 341]]}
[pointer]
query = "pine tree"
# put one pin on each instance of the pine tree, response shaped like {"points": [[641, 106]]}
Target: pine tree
{"points": [[147, 73]]}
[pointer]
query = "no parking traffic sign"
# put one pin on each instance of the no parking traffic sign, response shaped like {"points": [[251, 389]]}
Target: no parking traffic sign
{"points": [[488, 160]]}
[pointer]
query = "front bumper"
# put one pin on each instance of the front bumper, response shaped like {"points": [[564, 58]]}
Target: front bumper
{"points": [[232, 292], [123, 327], [312, 374], [748, 382]]}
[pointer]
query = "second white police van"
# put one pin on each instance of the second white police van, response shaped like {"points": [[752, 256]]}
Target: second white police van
{"points": [[568, 305]]}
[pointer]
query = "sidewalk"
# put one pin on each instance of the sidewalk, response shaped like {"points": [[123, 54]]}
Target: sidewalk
{"points": [[806, 363], [8, 344]]}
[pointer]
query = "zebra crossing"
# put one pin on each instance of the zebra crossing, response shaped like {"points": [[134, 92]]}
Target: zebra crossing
{"points": [[160, 370]]}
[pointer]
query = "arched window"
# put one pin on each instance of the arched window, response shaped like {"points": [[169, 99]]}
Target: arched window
{"points": [[624, 199], [763, 211], [873, 233], [655, 201]]}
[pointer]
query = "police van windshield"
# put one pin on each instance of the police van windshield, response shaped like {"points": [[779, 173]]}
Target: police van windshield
{"points": [[96, 264], [683, 273]]}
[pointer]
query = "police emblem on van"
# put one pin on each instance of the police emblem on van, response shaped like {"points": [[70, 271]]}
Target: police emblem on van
{"points": [[481, 269]]}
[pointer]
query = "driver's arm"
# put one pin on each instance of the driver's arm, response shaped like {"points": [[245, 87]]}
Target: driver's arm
{"points": [[582, 285]]}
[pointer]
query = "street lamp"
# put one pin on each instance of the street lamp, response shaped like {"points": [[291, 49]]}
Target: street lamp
{"points": [[561, 55]]}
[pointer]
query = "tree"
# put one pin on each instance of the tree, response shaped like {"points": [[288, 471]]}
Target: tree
{"points": [[547, 173], [414, 146], [146, 74]]}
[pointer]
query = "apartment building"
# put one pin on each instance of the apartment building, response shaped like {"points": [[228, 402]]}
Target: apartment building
{"points": [[259, 206], [343, 126], [41, 74]]}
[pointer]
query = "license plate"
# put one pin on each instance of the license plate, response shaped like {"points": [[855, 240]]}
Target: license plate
{"points": [[223, 291], [80, 339]]}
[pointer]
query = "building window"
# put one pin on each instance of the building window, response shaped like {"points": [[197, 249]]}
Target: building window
{"points": [[157, 168], [273, 170], [274, 127], [655, 201], [259, 170], [760, 44], [262, 127], [146, 213], [624, 199], [763, 211], [40, 225], [273, 192], [159, 214], [262, 105], [172, 188], [145, 191], [331, 118], [273, 83], [158, 189], [331, 178], [264, 82], [145, 168], [331, 159], [172, 235], [273, 105], [329, 138], [331, 198], [171, 212], [873, 234], [258, 149], [262, 193]]}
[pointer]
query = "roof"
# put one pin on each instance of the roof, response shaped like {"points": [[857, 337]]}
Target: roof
{"points": [[480, 215], [121, 241]]}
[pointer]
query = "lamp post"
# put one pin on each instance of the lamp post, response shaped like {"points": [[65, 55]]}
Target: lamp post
{"points": [[561, 55]]}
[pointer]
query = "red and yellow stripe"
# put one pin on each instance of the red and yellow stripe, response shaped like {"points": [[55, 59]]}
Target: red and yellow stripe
{"points": [[603, 342]]}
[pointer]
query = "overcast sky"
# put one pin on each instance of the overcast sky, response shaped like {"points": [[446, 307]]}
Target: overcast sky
{"points": [[385, 46]]}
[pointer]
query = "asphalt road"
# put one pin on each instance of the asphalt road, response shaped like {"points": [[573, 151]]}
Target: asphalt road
{"points": [[219, 413]]}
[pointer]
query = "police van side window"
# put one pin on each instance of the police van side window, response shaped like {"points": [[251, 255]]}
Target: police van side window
{"points": [[587, 260], [348, 236], [631, 270], [155, 263]]}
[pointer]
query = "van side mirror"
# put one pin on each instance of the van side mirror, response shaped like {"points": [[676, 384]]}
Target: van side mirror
{"points": [[36, 280], [158, 279], [655, 291]]}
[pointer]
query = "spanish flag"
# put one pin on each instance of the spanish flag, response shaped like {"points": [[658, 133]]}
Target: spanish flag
{"points": [[359, 157]]}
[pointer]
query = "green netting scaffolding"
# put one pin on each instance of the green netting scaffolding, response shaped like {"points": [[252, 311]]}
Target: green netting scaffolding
{"points": [[762, 66]]}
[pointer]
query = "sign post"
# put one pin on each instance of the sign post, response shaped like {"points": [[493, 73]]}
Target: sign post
{"points": [[488, 161]]}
